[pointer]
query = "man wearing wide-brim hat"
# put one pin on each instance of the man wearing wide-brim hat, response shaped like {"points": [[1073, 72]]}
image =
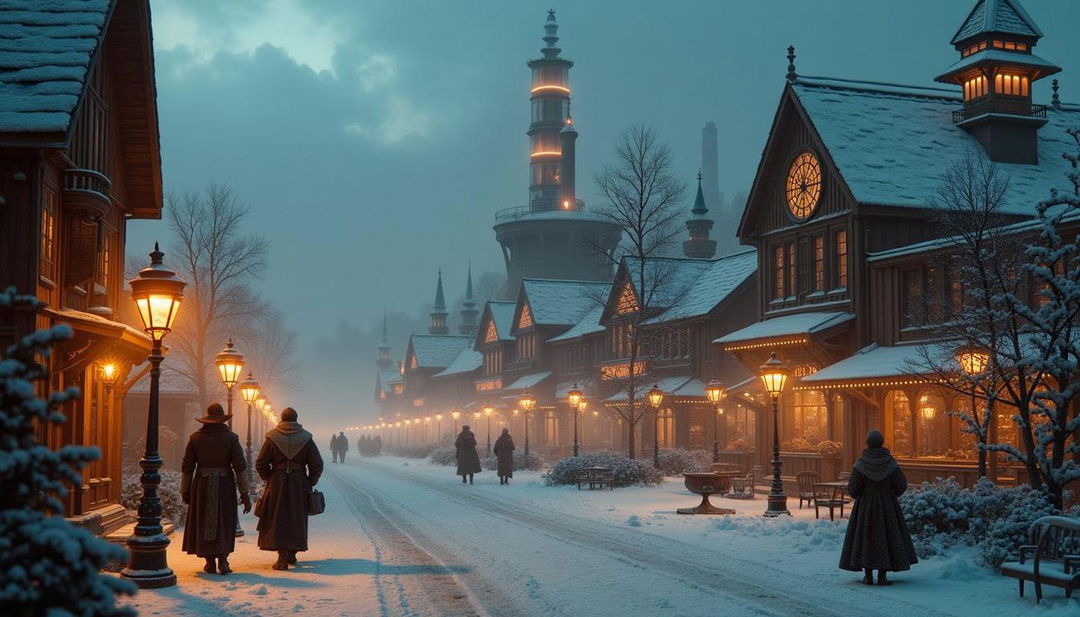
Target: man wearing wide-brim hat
{"points": [[213, 469]]}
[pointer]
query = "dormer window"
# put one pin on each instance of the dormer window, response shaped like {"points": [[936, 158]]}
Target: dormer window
{"points": [[1011, 84]]}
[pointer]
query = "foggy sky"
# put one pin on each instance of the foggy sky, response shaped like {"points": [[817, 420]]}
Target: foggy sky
{"points": [[375, 140]]}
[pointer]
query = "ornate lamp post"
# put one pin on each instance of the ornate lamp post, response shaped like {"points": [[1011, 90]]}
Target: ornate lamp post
{"points": [[438, 427], [261, 403], [774, 376], [230, 365], [249, 391], [574, 398], [488, 410], [656, 396], [456, 415], [157, 293], [527, 402], [716, 393], [975, 361]]}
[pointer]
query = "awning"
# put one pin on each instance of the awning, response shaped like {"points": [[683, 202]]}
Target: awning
{"points": [[562, 389], [877, 365], [790, 329], [671, 386], [528, 381], [127, 339]]}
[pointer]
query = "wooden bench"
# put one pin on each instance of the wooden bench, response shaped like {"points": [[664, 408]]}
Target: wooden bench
{"points": [[742, 487], [1051, 558], [595, 477]]}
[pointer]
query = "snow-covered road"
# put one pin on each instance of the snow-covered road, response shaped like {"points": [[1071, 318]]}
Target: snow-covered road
{"points": [[405, 538]]}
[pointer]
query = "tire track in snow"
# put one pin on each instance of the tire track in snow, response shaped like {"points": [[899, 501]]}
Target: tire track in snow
{"points": [[797, 597], [446, 592]]}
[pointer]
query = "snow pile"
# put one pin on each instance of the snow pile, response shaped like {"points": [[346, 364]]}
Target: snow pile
{"points": [[996, 520], [798, 534], [681, 460], [533, 462], [47, 566], [413, 451], [627, 471]]}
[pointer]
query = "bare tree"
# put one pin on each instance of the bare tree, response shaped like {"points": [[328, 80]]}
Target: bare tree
{"points": [[269, 348], [641, 195], [218, 260]]}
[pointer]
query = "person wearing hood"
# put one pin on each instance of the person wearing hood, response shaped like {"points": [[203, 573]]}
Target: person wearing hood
{"points": [[504, 452], [877, 537], [468, 461], [343, 446], [212, 470], [290, 465]]}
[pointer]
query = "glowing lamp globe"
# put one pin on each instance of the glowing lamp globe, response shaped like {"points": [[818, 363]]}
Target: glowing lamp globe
{"points": [[774, 375], [230, 364], [715, 391], [249, 389], [972, 360], [656, 396], [157, 293], [109, 373], [574, 396], [456, 414], [526, 402]]}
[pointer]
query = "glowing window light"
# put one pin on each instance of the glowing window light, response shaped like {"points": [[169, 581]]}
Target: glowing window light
{"points": [[541, 88], [546, 153], [566, 204]]}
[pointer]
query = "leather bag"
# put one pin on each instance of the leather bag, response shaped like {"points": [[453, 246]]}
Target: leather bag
{"points": [[316, 502]]}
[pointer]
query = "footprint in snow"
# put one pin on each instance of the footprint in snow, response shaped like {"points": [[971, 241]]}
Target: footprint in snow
{"points": [[633, 521]]}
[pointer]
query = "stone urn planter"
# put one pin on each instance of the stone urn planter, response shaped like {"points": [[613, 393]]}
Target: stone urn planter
{"points": [[705, 484]]}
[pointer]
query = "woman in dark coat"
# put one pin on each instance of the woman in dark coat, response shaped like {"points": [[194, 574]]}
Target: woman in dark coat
{"points": [[468, 461], [290, 464], [213, 468], [877, 536], [504, 451]]}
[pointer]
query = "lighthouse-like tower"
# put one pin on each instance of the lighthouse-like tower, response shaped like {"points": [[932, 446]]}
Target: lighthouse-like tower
{"points": [[554, 236]]}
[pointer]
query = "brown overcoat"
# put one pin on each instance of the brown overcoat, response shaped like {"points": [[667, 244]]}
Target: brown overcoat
{"points": [[504, 452], [213, 468], [290, 464]]}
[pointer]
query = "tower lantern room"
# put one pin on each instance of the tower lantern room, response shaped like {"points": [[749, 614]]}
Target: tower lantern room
{"points": [[549, 97], [996, 70]]}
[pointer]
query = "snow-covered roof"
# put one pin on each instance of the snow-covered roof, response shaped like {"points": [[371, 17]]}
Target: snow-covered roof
{"points": [[788, 325], [589, 324], [387, 378], [46, 48], [563, 388], [1004, 16], [879, 362], [562, 303], [669, 386], [1001, 55], [502, 313], [528, 381], [437, 351], [671, 278], [466, 362], [892, 144], [170, 382], [712, 286]]}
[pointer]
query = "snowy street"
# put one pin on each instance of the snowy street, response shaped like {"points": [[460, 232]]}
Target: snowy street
{"points": [[403, 537]]}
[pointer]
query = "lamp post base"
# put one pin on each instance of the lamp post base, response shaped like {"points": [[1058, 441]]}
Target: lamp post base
{"points": [[147, 566], [777, 506]]}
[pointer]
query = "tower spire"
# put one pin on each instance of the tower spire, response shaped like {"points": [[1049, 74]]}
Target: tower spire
{"points": [[469, 313], [438, 310], [699, 245], [383, 361]]}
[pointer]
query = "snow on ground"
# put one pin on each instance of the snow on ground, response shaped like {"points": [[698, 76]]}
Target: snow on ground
{"points": [[404, 537]]}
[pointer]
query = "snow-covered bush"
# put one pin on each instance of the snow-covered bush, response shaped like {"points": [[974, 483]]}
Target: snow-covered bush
{"points": [[172, 505], [413, 451], [533, 462], [627, 471], [444, 456], [47, 565], [942, 513], [681, 460]]}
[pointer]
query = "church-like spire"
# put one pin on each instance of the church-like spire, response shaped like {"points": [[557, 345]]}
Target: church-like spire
{"points": [[699, 245], [551, 36], [469, 313], [699, 208], [384, 348], [438, 310]]}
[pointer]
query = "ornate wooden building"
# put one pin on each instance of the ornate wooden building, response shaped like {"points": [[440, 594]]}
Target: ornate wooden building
{"points": [[79, 157]]}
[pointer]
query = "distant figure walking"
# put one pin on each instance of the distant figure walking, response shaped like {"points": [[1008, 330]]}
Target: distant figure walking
{"points": [[504, 451], [468, 461], [213, 468], [877, 537], [290, 464], [343, 446], [334, 447]]}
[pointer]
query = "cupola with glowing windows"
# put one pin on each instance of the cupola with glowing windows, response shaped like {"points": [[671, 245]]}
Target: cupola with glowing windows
{"points": [[996, 71]]}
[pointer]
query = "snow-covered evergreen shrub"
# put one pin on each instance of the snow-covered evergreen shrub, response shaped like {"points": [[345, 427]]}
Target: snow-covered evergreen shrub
{"points": [[942, 513], [413, 451], [47, 565], [533, 462], [172, 505], [627, 471], [681, 460], [444, 456]]}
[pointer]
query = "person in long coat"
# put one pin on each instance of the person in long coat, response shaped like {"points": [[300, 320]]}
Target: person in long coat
{"points": [[504, 452], [343, 446], [333, 448], [290, 464], [212, 470], [877, 537], [468, 461]]}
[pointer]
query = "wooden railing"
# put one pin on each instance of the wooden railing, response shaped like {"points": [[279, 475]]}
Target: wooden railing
{"points": [[513, 214], [999, 106]]}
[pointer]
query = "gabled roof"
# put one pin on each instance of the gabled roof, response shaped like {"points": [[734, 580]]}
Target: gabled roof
{"points": [[589, 324], [436, 351], [467, 361], [712, 286], [385, 379], [46, 51], [1001, 16], [883, 362], [788, 325], [502, 314], [892, 143], [668, 280], [560, 303]]}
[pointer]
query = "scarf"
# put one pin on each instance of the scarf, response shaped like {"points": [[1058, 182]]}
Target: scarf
{"points": [[876, 463], [289, 437]]}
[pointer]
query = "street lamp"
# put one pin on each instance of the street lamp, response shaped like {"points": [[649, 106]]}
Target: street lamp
{"points": [[975, 361], [656, 396], [488, 410], [774, 375], [527, 402], [438, 427], [716, 393], [456, 415], [574, 398], [157, 293], [230, 365], [249, 391]]}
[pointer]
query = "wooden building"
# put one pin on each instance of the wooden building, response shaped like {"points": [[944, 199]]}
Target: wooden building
{"points": [[79, 157]]}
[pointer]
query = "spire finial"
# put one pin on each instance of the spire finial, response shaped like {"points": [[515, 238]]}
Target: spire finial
{"points": [[1055, 100], [699, 176], [791, 75], [156, 255], [551, 15], [468, 284]]}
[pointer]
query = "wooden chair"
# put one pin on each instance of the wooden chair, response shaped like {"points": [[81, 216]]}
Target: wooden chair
{"points": [[830, 497], [742, 487], [806, 481]]}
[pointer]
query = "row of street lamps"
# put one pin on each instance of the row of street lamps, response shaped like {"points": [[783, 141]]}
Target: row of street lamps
{"points": [[157, 293]]}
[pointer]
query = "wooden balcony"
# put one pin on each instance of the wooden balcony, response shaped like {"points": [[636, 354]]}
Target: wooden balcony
{"points": [[87, 189], [998, 106]]}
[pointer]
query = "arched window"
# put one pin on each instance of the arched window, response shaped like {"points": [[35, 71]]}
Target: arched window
{"points": [[899, 412]]}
